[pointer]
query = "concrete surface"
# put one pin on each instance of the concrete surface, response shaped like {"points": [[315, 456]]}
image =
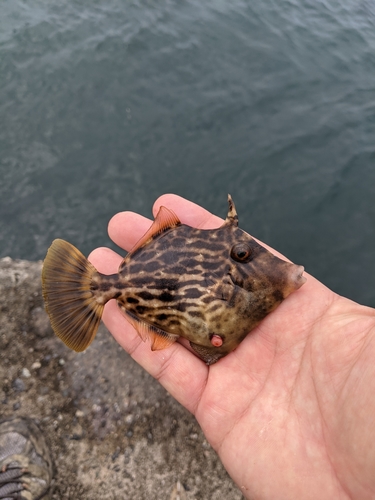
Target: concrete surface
{"points": [[114, 432]]}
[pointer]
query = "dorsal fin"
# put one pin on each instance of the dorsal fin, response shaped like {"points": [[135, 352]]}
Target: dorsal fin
{"points": [[232, 217], [159, 338], [164, 220]]}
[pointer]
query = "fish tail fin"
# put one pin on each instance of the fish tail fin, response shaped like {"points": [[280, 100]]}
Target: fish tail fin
{"points": [[69, 282]]}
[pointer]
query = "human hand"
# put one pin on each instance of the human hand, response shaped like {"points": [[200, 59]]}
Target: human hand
{"points": [[290, 411]]}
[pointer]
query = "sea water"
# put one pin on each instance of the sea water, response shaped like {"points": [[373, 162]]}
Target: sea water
{"points": [[104, 106]]}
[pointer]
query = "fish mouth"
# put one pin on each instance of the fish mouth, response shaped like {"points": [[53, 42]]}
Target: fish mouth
{"points": [[297, 279]]}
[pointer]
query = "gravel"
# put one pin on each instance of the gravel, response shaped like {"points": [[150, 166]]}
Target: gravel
{"points": [[114, 432]]}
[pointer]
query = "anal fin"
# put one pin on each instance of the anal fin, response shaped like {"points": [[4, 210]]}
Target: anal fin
{"points": [[159, 338]]}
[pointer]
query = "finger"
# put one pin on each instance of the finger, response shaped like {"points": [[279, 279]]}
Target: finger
{"points": [[188, 212], [105, 260], [126, 228]]}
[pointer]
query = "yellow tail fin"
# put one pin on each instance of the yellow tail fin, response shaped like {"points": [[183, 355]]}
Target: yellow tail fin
{"points": [[67, 278]]}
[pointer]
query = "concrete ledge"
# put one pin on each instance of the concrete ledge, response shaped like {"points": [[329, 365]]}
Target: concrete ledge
{"points": [[113, 431]]}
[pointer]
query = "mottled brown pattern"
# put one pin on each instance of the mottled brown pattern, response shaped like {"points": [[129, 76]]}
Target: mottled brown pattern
{"points": [[198, 283]]}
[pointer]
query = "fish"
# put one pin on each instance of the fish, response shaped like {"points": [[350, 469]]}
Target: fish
{"points": [[209, 286]]}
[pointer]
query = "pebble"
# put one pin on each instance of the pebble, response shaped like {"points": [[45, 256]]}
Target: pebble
{"points": [[79, 414], [96, 408], [18, 384], [116, 454], [61, 361], [77, 432], [129, 419], [36, 365], [26, 373]]}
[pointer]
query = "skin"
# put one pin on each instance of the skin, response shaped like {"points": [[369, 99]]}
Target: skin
{"points": [[291, 411]]}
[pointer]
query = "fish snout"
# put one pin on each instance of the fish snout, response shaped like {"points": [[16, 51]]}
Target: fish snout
{"points": [[295, 279]]}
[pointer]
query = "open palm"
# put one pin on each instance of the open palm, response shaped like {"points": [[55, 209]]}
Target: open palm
{"points": [[291, 412]]}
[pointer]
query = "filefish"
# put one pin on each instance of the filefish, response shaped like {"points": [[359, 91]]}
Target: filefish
{"points": [[210, 286]]}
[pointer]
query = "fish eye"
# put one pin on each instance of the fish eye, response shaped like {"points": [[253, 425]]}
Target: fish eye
{"points": [[241, 252]]}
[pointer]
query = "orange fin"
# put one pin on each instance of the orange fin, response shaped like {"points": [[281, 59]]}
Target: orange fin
{"points": [[159, 338], [162, 340], [164, 220], [67, 280], [140, 326]]}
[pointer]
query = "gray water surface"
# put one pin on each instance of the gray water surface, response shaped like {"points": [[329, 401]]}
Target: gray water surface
{"points": [[105, 106]]}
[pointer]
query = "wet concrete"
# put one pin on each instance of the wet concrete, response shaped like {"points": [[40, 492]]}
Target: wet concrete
{"points": [[114, 432]]}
